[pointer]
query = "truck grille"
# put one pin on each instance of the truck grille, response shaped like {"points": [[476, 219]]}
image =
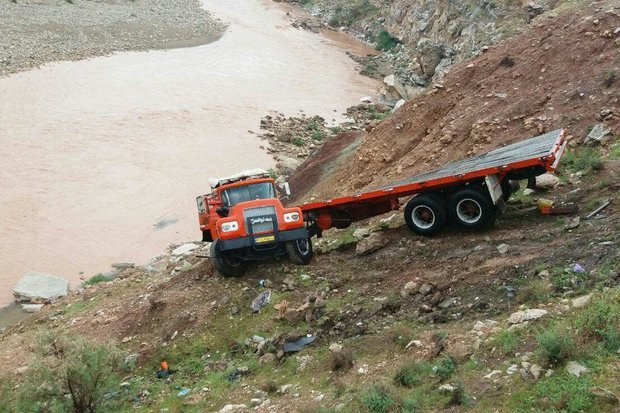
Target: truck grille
{"points": [[259, 216]]}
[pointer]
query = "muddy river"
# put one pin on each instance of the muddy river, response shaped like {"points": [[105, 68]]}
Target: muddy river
{"points": [[101, 159]]}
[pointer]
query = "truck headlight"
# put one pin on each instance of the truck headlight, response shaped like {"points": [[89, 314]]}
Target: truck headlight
{"points": [[291, 217], [230, 226]]}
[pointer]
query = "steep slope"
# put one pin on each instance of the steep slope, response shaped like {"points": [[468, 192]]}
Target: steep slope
{"points": [[559, 74]]}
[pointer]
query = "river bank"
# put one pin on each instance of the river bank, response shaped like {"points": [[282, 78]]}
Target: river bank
{"points": [[102, 174], [34, 33]]}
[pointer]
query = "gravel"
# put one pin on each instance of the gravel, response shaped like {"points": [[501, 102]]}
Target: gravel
{"points": [[33, 32]]}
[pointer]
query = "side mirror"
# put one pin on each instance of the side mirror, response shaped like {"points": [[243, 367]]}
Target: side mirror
{"points": [[200, 203]]}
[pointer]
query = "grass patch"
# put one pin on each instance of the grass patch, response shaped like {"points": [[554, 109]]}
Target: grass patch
{"points": [[444, 368], [318, 135], [536, 291], [507, 341], [582, 160], [600, 321], [412, 373], [560, 393], [556, 345], [96, 279], [378, 399]]}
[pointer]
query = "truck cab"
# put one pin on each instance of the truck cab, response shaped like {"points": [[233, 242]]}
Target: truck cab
{"points": [[244, 220]]}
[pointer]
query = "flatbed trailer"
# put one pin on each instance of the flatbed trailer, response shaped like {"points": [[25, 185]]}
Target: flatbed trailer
{"points": [[466, 193]]}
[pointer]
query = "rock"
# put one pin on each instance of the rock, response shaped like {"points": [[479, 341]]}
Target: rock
{"points": [[493, 373], [395, 90], [582, 301], [485, 325], [547, 181], [447, 303], [131, 359], [426, 289], [258, 339], [600, 134], [512, 369], [305, 277], [366, 99], [527, 315], [31, 308], [184, 249], [528, 191], [285, 388], [503, 248], [575, 368], [373, 243], [447, 388], [335, 348], [413, 343], [267, 358], [126, 339], [536, 371], [36, 287], [21, 370], [605, 394], [574, 223], [289, 163], [411, 288], [233, 408], [361, 233], [398, 105], [532, 10], [260, 301]]}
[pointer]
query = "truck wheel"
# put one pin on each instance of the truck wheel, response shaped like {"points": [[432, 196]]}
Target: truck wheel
{"points": [[299, 251], [425, 214], [225, 262], [471, 209]]}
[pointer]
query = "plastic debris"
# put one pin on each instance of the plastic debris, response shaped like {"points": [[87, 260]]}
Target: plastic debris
{"points": [[183, 392], [295, 346], [260, 301], [579, 268]]}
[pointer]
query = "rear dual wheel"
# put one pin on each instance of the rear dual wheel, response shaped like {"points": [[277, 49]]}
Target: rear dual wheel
{"points": [[471, 208], [425, 214]]}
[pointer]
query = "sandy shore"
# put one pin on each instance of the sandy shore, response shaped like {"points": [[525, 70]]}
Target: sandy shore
{"points": [[33, 32]]}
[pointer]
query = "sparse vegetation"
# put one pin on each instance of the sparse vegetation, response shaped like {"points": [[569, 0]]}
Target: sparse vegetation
{"points": [[341, 360], [507, 341], [444, 367], [378, 399], [610, 78], [96, 279], [584, 159], [601, 321], [507, 61], [412, 373], [556, 345], [536, 291], [385, 42]]}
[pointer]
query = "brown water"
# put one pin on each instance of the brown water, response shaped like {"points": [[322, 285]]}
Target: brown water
{"points": [[101, 159]]}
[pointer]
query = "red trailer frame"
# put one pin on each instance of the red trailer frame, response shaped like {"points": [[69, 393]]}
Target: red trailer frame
{"points": [[494, 169]]}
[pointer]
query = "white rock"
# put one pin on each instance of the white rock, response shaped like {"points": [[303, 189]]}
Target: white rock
{"points": [[528, 191], [527, 315], [512, 369], [31, 308], [575, 368], [366, 99], [233, 408], [21, 370], [547, 181], [398, 105], [503, 248], [600, 133], [413, 343], [335, 348], [493, 373], [37, 287], [536, 371], [582, 301], [184, 249], [361, 233], [448, 388]]}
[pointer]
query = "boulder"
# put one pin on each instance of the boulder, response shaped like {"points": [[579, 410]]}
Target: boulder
{"points": [[394, 88], [373, 243], [399, 104], [600, 134], [582, 301], [547, 181], [36, 287], [361, 233], [31, 308]]}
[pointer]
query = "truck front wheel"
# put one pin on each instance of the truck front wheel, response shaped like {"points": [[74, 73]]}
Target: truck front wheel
{"points": [[471, 209], [299, 251], [225, 262], [425, 214]]}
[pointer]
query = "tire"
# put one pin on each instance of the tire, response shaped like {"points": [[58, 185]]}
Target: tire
{"points": [[471, 209], [300, 251], [225, 263], [425, 214]]}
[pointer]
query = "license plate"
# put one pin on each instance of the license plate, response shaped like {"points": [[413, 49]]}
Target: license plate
{"points": [[268, 238]]}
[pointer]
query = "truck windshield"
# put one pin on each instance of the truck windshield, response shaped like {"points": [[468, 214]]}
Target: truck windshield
{"points": [[233, 196]]}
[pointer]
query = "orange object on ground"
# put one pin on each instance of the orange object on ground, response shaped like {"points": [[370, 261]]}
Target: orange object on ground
{"points": [[164, 365]]}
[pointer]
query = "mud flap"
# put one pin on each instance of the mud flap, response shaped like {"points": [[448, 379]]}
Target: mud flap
{"points": [[494, 187]]}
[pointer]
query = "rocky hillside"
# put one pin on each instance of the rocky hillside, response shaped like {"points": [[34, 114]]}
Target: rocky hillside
{"points": [[561, 73]]}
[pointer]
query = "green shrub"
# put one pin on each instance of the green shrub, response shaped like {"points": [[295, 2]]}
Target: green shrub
{"points": [[444, 368], [536, 291], [412, 373], [69, 374], [96, 279], [584, 159], [378, 399], [318, 135], [385, 41], [556, 345], [459, 396], [610, 78], [566, 394], [601, 321], [298, 142]]}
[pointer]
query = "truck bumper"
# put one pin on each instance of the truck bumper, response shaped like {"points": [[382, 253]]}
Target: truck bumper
{"points": [[280, 236]]}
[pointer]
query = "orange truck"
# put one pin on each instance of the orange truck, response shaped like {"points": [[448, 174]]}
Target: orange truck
{"points": [[245, 220]]}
